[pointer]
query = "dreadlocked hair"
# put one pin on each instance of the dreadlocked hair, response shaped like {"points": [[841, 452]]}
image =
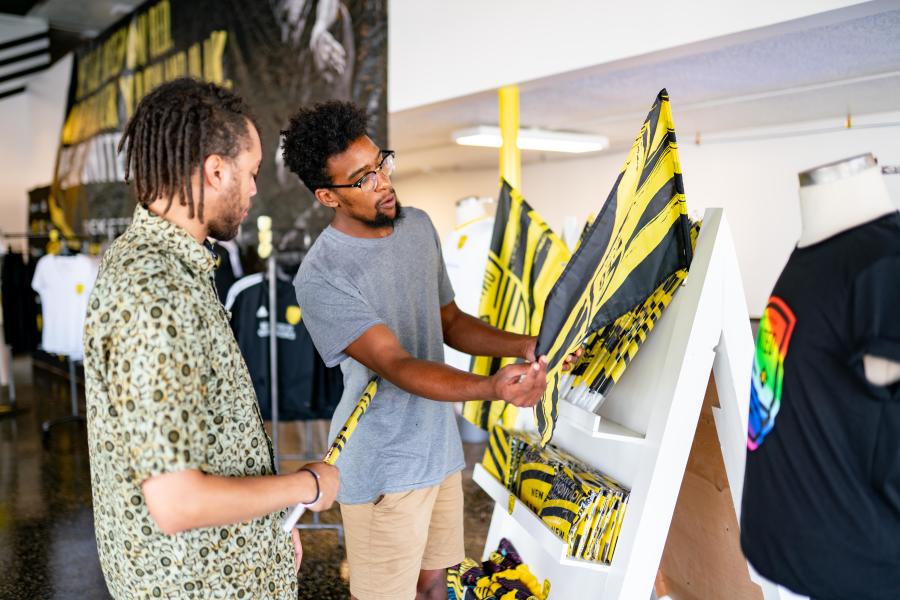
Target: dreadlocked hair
{"points": [[173, 130], [316, 134]]}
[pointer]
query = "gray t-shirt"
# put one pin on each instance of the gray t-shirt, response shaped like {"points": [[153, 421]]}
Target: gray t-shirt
{"points": [[347, 285]]}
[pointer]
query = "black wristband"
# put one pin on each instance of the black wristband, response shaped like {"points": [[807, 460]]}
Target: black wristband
{"points": [[318, 489]]}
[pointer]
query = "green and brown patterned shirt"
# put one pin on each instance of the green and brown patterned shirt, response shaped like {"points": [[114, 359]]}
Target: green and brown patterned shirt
{"points": [[168, 390]]}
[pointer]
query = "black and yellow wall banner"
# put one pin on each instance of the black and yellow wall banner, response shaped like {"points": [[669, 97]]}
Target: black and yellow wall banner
{"points": [[638, 240], [524, 261], [277, 55]]}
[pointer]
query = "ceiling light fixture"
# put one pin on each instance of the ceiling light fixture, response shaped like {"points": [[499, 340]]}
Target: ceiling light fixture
{"points": [[533, 139]]}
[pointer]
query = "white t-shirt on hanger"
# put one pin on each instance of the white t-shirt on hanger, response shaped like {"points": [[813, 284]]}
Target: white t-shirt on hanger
{"points": [[64, 284]]}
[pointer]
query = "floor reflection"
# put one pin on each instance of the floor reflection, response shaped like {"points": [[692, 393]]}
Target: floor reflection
{"points": [[47, 546]]}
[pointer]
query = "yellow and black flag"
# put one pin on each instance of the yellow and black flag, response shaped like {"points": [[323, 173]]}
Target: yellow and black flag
{"points": [[609, 351], [524, 261], [639, 239]]}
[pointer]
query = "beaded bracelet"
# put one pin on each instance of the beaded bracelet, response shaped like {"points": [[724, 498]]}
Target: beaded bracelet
{"points": [[318, 489]]}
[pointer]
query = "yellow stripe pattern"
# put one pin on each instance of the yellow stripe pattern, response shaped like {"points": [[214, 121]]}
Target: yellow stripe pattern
{"points": [[582, 506], [337, 446], [640, 239], [524, 262], [609, 351]]}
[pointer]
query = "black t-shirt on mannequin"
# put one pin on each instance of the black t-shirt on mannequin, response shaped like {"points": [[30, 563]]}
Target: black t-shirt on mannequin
{"points": [[821, 504]]}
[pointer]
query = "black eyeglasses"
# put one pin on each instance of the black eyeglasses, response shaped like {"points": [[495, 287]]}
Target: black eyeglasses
{"points": [[369, 181]]}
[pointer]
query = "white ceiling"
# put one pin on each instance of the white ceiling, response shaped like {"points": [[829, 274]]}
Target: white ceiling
{"points": [[809, 72], [806, 70], [85, 18]]}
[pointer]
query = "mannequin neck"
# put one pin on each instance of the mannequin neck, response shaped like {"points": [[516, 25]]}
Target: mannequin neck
{"points": [[827, 209]]}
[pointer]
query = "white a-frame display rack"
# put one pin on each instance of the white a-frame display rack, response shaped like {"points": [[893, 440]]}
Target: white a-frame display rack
{"points": [[644, 432]]}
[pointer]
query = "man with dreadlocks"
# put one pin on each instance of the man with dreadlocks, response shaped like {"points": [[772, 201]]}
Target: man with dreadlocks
{"points": [[186, 502]]}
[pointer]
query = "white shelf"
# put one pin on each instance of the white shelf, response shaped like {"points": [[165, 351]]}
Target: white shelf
{"points": [[530, 522], [596, 426], [705, 327]]}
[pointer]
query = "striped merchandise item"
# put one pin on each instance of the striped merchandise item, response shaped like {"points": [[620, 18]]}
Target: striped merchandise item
{"points": [[582, 506], [502, 577], [639, 239], [524, 261]]}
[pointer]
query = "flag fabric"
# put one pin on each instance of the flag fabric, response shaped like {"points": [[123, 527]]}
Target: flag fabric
{"points": [[614, 347], [609, 351], [524, 261], [585, 230], [337, 446], [639, 239], [362, 405]]}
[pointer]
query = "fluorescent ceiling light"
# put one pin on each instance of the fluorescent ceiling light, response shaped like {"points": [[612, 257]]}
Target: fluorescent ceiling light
{"points": [[533, 139]]}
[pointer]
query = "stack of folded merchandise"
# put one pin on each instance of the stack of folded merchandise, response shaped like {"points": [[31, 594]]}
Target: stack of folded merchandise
{"points": [[502, 576], [582, 506], [609, 351]]}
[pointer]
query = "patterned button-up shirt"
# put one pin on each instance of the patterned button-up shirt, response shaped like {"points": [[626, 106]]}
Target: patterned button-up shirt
{"points": [[168, 390]]}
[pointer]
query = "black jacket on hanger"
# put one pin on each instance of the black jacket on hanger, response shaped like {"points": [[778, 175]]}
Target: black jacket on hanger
{"points": [[307, 389], [20, 304]]}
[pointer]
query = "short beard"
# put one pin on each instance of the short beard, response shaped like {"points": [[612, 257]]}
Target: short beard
{"points": [[383, 220], [227, 223]]}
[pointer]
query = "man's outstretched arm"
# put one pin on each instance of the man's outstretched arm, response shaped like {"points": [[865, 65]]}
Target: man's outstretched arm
{"points": [[380, 350], [473, 336]]}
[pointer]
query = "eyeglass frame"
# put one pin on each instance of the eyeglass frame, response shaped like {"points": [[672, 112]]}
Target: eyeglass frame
{"points": [[358, 183]]}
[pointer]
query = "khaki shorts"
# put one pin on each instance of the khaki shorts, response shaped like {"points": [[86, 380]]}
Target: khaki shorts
{"points": [[390, 540]]}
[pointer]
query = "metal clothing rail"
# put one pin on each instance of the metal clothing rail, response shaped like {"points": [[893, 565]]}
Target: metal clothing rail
{"points": [[265, 250], [74, 417]]}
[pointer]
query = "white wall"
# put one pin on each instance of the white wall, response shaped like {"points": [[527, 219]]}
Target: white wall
{"points": [[755, 181], [441, 50], [14, 156], [31, 123]]}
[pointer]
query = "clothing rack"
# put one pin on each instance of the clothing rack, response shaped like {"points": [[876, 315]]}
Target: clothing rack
{"points": [[265, 250], [11, 408], [75, 417]]}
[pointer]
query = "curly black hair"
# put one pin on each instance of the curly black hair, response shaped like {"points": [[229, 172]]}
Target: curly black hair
{"points": [[316, 134], [173, 130]]}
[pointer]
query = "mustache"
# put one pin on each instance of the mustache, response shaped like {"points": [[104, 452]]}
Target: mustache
{"points": [[391, 194]]}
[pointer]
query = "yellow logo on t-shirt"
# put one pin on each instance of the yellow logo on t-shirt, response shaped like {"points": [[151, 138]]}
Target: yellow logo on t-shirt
{"points": [[462, 241], [293, 314], [79, 288]]}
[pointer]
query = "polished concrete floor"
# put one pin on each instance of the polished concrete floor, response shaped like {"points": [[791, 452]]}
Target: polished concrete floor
{"points": [[47, 547]]}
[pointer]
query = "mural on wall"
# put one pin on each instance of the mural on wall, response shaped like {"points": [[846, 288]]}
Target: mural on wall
{"points": [[279, 55]]}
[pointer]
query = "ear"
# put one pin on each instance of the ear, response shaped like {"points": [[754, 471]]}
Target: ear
{"points": [[214, 168], [327, 198]]}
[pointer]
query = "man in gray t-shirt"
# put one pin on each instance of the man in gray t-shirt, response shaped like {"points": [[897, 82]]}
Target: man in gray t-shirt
{"points": [[376, 299]]}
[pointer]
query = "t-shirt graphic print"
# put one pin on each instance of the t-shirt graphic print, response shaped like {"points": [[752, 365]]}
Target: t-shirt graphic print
{"points": [[772, 342]]}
